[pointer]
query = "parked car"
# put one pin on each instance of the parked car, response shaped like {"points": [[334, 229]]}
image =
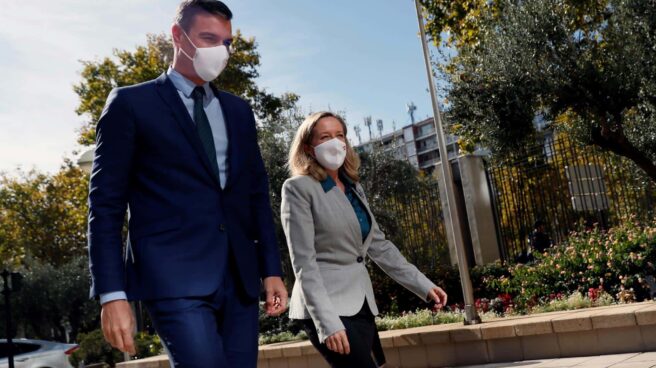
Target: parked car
{"points": [[37, 354]]}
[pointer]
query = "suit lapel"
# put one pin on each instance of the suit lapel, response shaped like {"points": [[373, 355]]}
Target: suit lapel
{"points": [[170, 95], [231, 119]]}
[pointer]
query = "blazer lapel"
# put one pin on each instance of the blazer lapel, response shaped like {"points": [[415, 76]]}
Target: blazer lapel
{"points": [[170, 95], [347, 209], [231, 119]]}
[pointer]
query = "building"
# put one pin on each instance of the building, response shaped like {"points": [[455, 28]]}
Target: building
{"points": [[391, 142], [416, 143]]}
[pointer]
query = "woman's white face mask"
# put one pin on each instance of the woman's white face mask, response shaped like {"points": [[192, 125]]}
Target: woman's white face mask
{"points": [[208, 62], [331, 154]]}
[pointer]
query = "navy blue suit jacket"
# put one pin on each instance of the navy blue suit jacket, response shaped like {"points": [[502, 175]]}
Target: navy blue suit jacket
{"points": [[149, 158]]}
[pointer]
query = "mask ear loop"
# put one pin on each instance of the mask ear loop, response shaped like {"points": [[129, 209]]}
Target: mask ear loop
{"points": [[192, 44]]}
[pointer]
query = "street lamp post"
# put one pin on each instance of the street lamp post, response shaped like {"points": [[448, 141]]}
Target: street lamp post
{"points": [[455, 228], [11, 284]]}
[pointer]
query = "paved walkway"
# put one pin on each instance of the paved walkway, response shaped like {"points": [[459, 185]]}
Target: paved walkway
{"points": [[631, 360]]}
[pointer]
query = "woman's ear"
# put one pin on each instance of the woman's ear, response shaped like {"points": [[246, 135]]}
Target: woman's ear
{"points": [[308, 150]]}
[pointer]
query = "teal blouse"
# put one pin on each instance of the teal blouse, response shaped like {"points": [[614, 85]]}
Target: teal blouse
{"points": [[358, 207]]}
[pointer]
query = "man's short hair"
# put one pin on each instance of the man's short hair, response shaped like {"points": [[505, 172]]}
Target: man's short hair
{"points": [[188, 9]]}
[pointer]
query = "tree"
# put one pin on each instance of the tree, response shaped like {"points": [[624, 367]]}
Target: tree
{"points": [[43, 217], [591, 74], [54, 301], [462, 21]]}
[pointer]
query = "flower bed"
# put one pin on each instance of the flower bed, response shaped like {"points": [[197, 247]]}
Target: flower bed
{"points": [[613, 263]]}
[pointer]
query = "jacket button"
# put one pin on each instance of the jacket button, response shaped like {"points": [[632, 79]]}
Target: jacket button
{"points": [[360, 259], [222, 227]]}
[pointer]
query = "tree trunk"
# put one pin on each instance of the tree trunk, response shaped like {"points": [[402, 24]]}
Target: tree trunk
{"points": [[616, 141]]}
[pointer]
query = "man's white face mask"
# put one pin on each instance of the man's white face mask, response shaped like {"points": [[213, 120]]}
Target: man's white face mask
{"points": [[208, 62]]}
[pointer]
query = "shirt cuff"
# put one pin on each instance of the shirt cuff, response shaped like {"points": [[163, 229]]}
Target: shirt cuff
{"points": [[114, 295]]}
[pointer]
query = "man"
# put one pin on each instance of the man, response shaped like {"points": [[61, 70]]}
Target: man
{"points": [[539, 238], [182, 158]]}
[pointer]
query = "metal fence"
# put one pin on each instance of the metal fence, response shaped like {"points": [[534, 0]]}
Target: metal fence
{"points": [[567, 187], [414, 222]]}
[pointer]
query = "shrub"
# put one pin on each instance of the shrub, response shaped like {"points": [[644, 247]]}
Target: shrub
{"points": [[147, 345], [575, 301], [614, 261], [94, 348]]}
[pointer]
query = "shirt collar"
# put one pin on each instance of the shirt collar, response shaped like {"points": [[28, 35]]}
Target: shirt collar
{"points": [[328, 183], [186, 86]]}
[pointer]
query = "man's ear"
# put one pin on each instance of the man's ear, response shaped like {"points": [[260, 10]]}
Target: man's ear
{"points": [[176, 34]]}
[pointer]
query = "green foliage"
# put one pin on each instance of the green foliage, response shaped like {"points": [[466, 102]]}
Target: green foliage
{"points": [[94, 349], [575, 301], [460, 20], [588, 70], [147, 345], [464, 21], [284, 336], [270, 326], [43, 217], [588, 262], [54, 299]]}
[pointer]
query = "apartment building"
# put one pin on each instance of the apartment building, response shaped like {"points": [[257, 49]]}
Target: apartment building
{"points": [[416, 143]]}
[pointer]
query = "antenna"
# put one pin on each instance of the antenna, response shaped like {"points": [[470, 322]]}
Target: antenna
{"points": [[367, 122], [379, 123], [411, 108], [357, 133]]}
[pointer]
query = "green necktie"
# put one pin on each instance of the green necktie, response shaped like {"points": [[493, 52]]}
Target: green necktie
{"points": [[204, 129]]}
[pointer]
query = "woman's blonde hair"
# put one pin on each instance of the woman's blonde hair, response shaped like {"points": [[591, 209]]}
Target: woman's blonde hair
{"points": [[301, 163]]}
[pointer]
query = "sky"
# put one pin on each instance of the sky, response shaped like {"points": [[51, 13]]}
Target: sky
{"points": [[360, 57]]}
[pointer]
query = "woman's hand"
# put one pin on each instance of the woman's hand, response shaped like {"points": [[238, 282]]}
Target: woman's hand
{"points": [[338, 342], [437, 295]]}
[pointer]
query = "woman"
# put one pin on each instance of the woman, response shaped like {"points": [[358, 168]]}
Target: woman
{"points": [[330, 231]]}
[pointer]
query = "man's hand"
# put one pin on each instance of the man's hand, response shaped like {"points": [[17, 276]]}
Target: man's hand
{"points": [[338, 342], [118, 324], [437, 295], [276, 296]]}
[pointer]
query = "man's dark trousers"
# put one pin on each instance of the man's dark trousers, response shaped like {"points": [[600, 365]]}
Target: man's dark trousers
{"points": [[218, 330]]}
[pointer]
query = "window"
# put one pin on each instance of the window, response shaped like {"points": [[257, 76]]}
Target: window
{"points": [[19, 348]]}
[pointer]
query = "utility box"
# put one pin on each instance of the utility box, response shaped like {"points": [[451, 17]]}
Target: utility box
{"points": [[477, 216]]}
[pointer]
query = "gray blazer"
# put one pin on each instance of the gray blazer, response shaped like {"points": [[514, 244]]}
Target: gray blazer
{"points": [[325, 246]]}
